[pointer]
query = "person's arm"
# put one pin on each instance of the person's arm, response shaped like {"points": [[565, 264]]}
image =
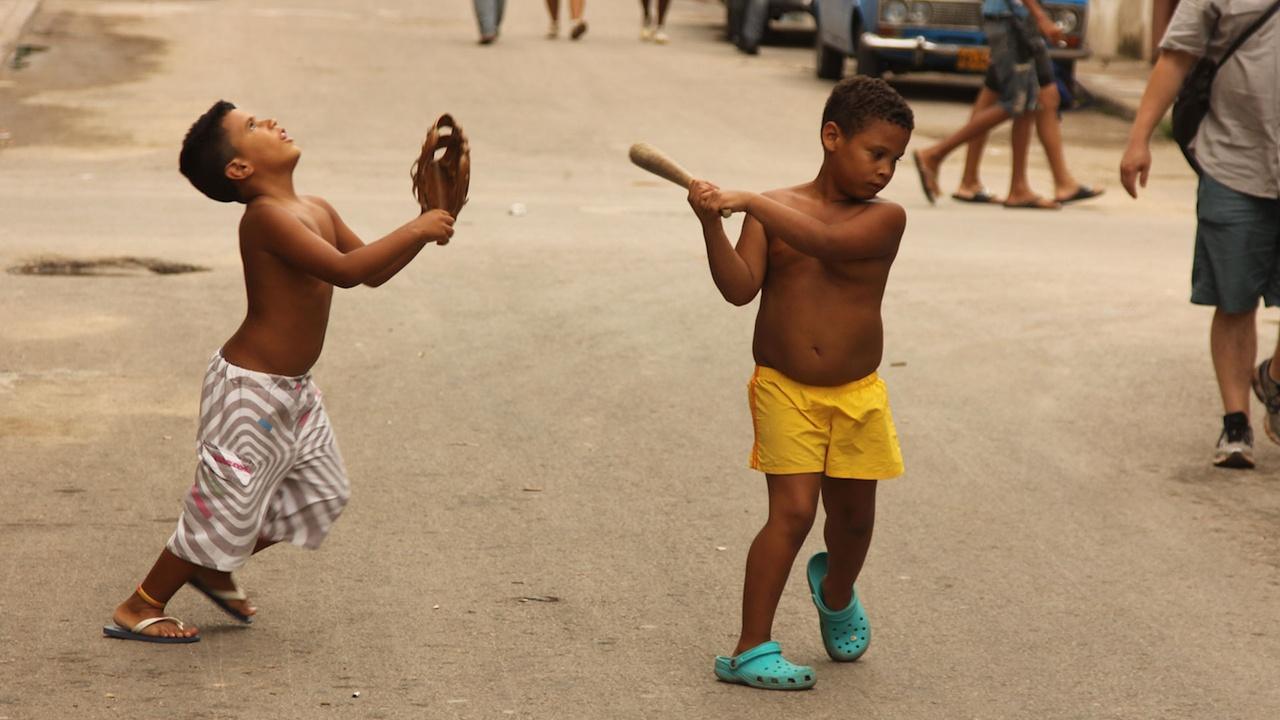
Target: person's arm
{"points": [[872, 233], [1047, 26], [1162, 88], [737, 272], [348, 241], [282, 234]]}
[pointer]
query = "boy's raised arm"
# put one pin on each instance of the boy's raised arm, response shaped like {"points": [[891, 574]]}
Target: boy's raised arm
{"points": [[738, 272], [874, 232], [348, 241], [282, 234]]}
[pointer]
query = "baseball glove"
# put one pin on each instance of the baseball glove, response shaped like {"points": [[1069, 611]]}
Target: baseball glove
{"points": [[442, 172]]}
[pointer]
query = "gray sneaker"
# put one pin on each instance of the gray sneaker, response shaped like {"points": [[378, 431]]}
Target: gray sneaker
{"points": [[1235, 449], [1268, 392]]}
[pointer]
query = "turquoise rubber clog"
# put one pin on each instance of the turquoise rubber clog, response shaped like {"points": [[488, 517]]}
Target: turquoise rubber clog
{"points": [[764, 667], [845, 633]]}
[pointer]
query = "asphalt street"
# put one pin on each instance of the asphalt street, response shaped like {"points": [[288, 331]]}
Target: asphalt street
{"points": [[545, 421]]}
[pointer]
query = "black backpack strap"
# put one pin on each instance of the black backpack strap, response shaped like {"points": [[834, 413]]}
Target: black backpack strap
{"points": [[1249, 33]]}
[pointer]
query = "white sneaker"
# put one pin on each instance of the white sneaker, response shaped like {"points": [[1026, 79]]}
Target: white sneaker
{"points": [[646, 33], [660, 36], [553, 31]]}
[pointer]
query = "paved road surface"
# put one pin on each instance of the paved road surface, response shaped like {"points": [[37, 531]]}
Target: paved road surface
{"points": [[553, 405]]}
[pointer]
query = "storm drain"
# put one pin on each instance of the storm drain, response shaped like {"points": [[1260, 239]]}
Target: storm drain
{"points": [[120, 266]]}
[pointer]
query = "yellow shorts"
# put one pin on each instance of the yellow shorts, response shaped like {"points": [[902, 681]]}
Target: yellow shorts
{"points": [[844, 431]]}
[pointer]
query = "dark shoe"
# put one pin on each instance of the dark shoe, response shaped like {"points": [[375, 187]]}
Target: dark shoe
{"points": [[1235, 449], [1084, 192], [749, 49], [1268, 392], [578, 30]]}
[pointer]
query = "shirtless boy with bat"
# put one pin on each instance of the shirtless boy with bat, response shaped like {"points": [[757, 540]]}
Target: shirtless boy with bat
{"points": [[819, 254]]}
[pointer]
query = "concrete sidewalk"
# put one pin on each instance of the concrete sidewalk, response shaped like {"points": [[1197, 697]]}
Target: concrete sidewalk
{"points": [[1114, 85], [14, 15]]}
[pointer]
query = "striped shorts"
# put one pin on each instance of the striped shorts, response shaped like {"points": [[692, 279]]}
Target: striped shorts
{"points": [[268, 468]]}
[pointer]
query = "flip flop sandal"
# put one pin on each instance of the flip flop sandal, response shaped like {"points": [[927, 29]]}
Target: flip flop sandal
{"points": [[135, 632], [764, 667], [221, 598], [924, 183], [1084, 192], [1036, 204], [982, 197], [845, 633]]}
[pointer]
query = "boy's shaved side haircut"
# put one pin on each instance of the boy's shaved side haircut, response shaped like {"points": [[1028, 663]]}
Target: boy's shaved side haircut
{"points": [[857, 100], [206, 152]]}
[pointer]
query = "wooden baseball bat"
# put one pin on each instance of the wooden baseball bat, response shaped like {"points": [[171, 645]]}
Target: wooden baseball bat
{"points": [[657, 162]]}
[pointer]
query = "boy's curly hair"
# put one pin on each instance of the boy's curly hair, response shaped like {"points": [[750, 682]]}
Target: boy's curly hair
{"points": [[206, 152], [857, 100]]}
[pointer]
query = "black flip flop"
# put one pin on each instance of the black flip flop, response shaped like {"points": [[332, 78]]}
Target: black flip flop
{"points": [[982, 197], [220, 597], [1083, 193], [1034, 205], [924, 185]]}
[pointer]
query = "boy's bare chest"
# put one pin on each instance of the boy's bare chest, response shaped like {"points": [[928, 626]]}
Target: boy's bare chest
{"points": [[788, 265], [317, 221]]}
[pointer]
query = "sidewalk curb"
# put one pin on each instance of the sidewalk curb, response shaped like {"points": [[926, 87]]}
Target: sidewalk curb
{"points": [[14, 15], [1106, 101]]}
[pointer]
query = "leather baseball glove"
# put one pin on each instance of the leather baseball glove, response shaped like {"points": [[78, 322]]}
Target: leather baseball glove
{"points": [[442, 172]]}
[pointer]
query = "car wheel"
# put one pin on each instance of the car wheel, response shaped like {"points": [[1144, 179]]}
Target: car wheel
{"points": [[732, 20], [829, 61]]}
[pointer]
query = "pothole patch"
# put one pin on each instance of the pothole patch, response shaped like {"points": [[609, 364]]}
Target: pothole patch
{"points": [[116, 266]]}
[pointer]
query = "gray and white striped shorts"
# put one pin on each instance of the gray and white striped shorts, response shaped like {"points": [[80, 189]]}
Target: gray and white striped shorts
{"points": [[268, 468]]}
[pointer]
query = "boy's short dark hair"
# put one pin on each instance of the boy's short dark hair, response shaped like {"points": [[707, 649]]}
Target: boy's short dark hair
{"points": [[206, 150], [857, 100]]}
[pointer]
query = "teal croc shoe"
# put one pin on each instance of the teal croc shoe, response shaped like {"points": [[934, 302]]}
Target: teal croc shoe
{"points": [[846, 633], [764, 667]]}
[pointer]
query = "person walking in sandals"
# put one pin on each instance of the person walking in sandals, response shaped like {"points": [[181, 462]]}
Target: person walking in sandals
{"points": [[1012, 77], [1066, 188]]}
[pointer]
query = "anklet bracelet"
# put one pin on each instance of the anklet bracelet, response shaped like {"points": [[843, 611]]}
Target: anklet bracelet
{"points": [[149, 600]]}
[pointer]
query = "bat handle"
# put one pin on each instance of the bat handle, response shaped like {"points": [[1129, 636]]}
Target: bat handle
{"points": [[725, 212]]}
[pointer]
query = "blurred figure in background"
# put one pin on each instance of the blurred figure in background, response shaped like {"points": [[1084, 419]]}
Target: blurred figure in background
{"points": [[651, 31], [576, 8], [489, 16]]}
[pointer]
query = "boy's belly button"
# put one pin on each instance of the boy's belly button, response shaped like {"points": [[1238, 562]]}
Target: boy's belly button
{"points": [[817, 351]]}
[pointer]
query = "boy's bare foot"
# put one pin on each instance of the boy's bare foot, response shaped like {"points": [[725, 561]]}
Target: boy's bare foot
{"points": [[222, 582], [134, 610]]}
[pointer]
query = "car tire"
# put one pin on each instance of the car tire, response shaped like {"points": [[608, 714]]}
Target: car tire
{"points": [[829, 62], [732, 20]]}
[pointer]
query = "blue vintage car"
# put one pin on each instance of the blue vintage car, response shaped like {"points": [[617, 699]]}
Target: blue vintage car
{"points": [[943, 35]]}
